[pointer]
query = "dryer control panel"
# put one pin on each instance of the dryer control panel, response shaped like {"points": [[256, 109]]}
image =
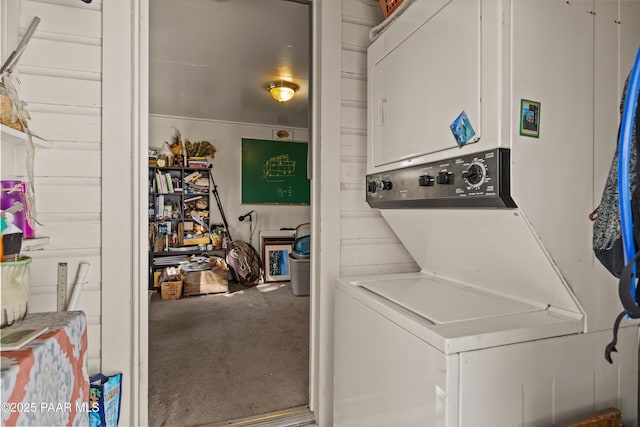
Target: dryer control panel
{"points": [[472, 180]]}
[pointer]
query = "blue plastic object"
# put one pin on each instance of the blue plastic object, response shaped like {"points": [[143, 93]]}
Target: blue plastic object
{"points": [[624, 158], [302, 246]]}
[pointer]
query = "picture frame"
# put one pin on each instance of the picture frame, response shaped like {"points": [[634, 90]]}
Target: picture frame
{"points": [[529, 118], [276, 262]]}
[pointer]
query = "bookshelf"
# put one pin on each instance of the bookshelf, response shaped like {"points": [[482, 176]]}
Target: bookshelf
{"points": [[179, 206]]}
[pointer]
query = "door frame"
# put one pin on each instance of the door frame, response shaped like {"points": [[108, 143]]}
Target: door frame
{"points": [[129, 59]]}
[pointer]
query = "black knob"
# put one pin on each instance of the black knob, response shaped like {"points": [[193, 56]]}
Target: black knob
{"points": [[444, 178], [384, 185], [425, 181], [371, 187], [474, 174]]}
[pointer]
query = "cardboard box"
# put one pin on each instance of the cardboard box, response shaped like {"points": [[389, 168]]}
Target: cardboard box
{"points": [[205, 282], [196, 240], [171, 290]]}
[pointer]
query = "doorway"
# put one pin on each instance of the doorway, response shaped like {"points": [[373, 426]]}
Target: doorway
{"points": [[195, 119]]}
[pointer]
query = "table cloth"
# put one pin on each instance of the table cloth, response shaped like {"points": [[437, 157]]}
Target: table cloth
{"points": [[45, 383]]}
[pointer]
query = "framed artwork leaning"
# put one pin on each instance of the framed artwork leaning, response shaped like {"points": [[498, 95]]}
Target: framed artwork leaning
{"points": [[276, 262]]}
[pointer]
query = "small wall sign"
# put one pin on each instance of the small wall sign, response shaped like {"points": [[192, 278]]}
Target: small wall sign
{"points": [[529, 118]]}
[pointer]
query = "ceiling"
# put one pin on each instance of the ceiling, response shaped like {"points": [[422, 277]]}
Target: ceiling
{"points": [[210, 59]]}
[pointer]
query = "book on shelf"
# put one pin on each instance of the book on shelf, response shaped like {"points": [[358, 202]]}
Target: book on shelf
{"points": [[16, 338], [193, 176], [198, 162], [197, 189], [160, 206], [177, 186], [191, 199], [204, 182], [169, 183], [161, 182]]}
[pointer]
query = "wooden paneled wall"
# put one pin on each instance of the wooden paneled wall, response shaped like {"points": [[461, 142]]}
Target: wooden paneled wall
{"points": [[368, 246], [60, 74]]}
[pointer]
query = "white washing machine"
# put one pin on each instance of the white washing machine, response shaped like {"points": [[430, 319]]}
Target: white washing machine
{"points": [[507, 322], [396, 367]]}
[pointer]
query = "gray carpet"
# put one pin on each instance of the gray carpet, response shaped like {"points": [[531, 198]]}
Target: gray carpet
{"points": [[220, 357]]}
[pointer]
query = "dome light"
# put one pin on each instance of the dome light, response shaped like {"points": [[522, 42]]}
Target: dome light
{"points": [[282, 90]]}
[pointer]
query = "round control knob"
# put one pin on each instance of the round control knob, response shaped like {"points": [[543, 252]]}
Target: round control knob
{"points": [[372, 187], [383, 185], [475, 174]]}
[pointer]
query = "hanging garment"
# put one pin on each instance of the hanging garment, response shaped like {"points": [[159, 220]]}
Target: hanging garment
{"points": [[608, 242], [607, 234]]}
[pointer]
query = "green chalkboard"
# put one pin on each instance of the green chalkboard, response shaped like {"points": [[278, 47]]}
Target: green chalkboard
{"points": [[274, 172]]}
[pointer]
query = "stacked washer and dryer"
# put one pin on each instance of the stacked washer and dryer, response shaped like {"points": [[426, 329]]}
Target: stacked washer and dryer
{"points": [[507, 321]]}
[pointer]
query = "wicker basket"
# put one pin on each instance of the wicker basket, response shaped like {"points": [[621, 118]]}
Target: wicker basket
{"points": [[610, 417], [7, 116], [388, 6]]}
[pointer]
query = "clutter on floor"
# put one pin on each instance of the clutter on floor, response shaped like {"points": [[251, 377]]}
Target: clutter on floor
{"points": [[195, 275]]}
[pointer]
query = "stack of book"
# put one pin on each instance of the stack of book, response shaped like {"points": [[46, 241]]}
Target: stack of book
{"points": [[196, 183], [167, 183], [198, 162]]}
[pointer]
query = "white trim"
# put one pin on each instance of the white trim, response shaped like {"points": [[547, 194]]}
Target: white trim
{"points": [[140, 163], [325, 265], [139, 401], [120, 209], [314, 150]]}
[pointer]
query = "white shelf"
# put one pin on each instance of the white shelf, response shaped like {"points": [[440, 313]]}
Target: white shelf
{"points": [[14, 151], [11, 135], [34, 244]]}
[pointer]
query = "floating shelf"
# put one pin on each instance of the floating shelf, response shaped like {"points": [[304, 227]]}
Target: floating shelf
{"points": [[34, 244], [17, 137], [14, 151]]}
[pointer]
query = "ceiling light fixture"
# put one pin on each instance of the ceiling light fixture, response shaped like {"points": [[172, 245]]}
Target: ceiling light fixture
{"points": [[281, 90]]}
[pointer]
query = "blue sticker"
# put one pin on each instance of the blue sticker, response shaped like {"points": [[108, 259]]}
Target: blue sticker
{"points": [[462, 129]]}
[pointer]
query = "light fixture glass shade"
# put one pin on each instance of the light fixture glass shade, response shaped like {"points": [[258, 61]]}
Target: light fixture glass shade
{"points": [[281, 91]]}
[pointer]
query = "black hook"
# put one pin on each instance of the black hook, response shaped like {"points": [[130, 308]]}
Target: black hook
{"points": [[611, 347]]}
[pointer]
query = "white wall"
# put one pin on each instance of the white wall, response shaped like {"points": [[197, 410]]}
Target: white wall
{"points": [[226, 137], [60, 75], [352, 238], [368, 246]]}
